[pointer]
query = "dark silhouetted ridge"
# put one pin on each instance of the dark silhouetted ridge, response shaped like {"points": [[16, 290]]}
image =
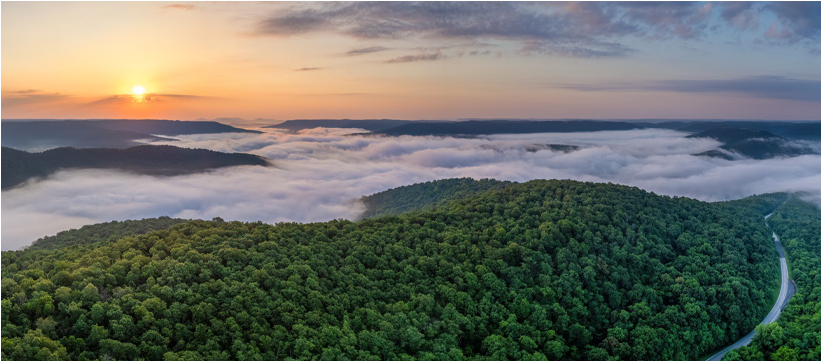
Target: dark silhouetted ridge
{"points": [[19, 166], [114, 133], [367, 124], [503, 127], [754, 143]]}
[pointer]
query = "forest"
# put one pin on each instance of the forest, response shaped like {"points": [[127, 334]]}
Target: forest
{"points": [[795, 335], [557, 270]]}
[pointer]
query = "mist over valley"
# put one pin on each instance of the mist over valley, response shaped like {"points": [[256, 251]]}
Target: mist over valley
{"points": [[320, 174]]}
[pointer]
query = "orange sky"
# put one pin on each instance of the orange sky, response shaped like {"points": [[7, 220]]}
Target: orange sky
{"points": [[281, 61]]}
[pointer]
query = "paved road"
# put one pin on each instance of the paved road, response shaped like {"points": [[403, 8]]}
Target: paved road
{"points": [[786, 291]]}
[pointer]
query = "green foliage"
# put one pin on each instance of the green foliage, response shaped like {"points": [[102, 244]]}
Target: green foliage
{"points": [[426, 195], [108, 231], [533, 271], [796, 334]]}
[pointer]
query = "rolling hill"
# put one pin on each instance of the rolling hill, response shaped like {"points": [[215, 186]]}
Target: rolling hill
{"points": [[114, 133], [471, 128], [749, 142], [19, 166], [367, 124], [426, 195], [539, 270], [809, 131]]}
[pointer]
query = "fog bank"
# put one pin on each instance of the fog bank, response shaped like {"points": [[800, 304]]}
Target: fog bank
{"points": [[319, 175]]}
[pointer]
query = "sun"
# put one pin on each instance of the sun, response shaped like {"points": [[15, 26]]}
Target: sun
{"points": [[138, 90]]}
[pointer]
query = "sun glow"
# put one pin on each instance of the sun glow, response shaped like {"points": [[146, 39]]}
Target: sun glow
{"points": [[138, 90]]}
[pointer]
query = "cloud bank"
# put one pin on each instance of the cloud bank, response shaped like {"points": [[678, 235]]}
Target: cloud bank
{"points": [[319, 174], [576, 29], [772, 87]]}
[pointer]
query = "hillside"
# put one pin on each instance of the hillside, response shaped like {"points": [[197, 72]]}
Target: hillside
{"points": [[809, 131], [426, 195], [19, 166], [367, 124], [539, 270], [796, 335], [108, 231], [113, 133], [502, 127], [754, 143]]}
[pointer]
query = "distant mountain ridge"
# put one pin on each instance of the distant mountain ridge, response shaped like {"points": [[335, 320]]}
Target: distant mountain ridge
{"points": [[754, 143], [503, 127], [367, 124], [112, 133], [19, 166], [809, 131]]}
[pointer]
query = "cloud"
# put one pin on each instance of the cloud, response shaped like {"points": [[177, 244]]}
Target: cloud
{"points": [[30, 96], [686, 20], [506, 21], [320, 173], [796, 21], [179, 6], [770, 87], [361, 51], [145, 98], [743, 15], [573, 29], [416, 58], [306, 69]]}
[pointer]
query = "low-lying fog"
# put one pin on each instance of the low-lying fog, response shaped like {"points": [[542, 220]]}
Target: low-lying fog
{"points": [[320, 173]]}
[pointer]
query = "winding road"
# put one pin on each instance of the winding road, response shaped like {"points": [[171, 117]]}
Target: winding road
{"points": [[786, 291]]}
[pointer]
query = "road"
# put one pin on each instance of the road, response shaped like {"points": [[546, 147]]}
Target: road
{"points": [[786, 291]]}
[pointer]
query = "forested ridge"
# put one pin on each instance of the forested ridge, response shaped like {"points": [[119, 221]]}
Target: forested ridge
{"points": [[19, 166], [107, 231], [752, 142], [538, 270], [426, 195], [106, 133], [796, 334]]}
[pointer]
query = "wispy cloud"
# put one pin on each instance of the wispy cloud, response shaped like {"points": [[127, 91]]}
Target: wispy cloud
{"points": [[519, 22], [772, 87], [306, 69], [179, 6], [30, 96], [27, 91], [574, 29], [368, 50], [145, 98], [796, 21], [418, 57]]}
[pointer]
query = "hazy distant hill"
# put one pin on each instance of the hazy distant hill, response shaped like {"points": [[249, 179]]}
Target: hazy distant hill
{"points": [[809, 131], [754, 143], [368, 124], [503, 127], [116, 133], [19, 166], [170, 128]]}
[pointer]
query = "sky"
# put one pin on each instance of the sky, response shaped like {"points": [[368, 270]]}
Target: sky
{"points": [[605, 60]]}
